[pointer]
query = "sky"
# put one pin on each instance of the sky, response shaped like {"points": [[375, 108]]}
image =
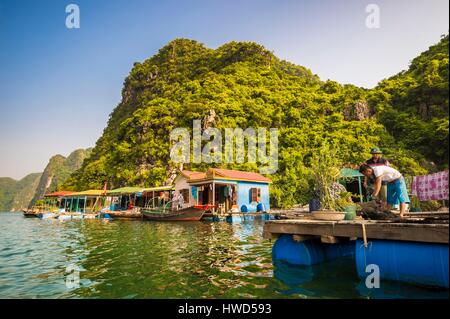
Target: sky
{"points": [[59, 85]]}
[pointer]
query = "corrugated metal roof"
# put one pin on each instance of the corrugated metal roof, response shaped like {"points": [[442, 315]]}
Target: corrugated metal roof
{"points": [[193, 175], [214, 173], [58, 194], [90, 192], [125, 190], [160, 188]]}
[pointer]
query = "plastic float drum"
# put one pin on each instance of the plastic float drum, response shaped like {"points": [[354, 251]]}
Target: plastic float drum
{"points": [[309, 252], [418, 263], [233, 219], [260, 207]]}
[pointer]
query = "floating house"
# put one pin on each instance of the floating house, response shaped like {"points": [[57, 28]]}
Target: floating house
{"points": [[224, 190], [125, 198], [89, 201], [183, 190], [157, 196], [56, 200]]}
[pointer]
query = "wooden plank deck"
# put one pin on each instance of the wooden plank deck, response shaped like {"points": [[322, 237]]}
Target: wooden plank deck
{"points": [[304, 228]]}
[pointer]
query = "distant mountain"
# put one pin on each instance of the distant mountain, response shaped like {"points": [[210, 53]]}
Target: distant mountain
{"points": [[16, 195], [57, 171]]}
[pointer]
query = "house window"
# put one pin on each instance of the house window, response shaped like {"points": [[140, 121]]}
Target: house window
{"points": [[255, 194], [185, 193]]}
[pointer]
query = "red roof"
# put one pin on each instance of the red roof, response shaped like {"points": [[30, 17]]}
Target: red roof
{"points": [[58, 194], [193, 175], [228, 173]]}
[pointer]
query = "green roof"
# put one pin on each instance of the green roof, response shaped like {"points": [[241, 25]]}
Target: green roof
{"points": [[125, 190], [350, 172], [160, 188]]}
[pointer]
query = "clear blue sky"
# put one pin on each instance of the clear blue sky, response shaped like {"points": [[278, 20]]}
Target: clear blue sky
{"points": [[58, 86]]}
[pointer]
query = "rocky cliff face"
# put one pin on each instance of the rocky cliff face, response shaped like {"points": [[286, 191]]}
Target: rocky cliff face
{"points": [[57, 171], [15, 195]]}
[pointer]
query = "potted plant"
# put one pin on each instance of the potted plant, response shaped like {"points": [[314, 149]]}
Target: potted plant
{"points": [[325, 171]]}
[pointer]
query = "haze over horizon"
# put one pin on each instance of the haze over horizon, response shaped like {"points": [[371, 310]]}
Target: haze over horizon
{"points": [[58, 85]]}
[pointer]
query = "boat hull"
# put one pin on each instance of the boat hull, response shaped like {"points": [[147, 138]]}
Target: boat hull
{"points": [[29, 214], [185, 214], [122, 214]]}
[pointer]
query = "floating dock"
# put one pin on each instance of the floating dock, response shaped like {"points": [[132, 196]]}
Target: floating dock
{"points": [[238, 217], [414, 250]]}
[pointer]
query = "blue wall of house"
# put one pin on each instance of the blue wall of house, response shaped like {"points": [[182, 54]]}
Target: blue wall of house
{"points": [[243, 196]]}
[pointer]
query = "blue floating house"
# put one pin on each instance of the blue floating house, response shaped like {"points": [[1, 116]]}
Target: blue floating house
{"points": [[224, 190]]}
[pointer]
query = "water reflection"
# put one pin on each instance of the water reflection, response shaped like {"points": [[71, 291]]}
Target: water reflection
{"points": [[136, 259]]}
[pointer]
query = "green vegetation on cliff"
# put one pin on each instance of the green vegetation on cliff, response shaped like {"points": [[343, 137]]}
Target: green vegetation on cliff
{"points": [[247, 86], [57, 171], [15, 195]]}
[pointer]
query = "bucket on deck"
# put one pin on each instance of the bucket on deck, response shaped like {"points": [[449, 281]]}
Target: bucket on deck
{"points": [[314, 205], [350, 212], [260, 207]]}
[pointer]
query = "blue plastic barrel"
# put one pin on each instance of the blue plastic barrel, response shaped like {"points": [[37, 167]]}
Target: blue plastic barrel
{"points": [[233, 219], [244, 209], [417, 263], [309, 252], [304, 253], [260, 207]]}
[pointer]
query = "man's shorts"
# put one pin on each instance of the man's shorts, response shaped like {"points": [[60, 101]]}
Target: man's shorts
{"points": [[397, 192]]}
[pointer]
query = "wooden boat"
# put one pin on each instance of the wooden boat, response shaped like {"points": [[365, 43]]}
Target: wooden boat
{"points": [[122, 214], [29, 213], [185, 214]]}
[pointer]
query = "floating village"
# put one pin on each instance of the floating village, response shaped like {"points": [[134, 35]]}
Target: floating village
{"points": [[411, 249]]}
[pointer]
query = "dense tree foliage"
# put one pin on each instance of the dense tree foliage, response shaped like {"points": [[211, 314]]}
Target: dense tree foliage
{"points": [[247, 86], [413, 106]]}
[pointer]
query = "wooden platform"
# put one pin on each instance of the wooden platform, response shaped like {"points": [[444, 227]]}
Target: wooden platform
{"points": [[332, 232]]}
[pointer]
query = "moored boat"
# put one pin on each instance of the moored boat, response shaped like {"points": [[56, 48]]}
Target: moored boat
{"points": [[185, 214], [134, 213], [29, 213]]}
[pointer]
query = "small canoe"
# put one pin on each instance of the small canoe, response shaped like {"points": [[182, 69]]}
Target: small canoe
{"points": [[185, 214], [122, 214], [29, 213]]}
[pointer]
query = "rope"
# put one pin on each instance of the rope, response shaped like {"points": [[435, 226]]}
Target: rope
{"points": [[365, 244]]}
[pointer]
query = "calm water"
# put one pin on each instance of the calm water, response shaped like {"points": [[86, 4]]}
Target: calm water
{"points": [[136, 259]]}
